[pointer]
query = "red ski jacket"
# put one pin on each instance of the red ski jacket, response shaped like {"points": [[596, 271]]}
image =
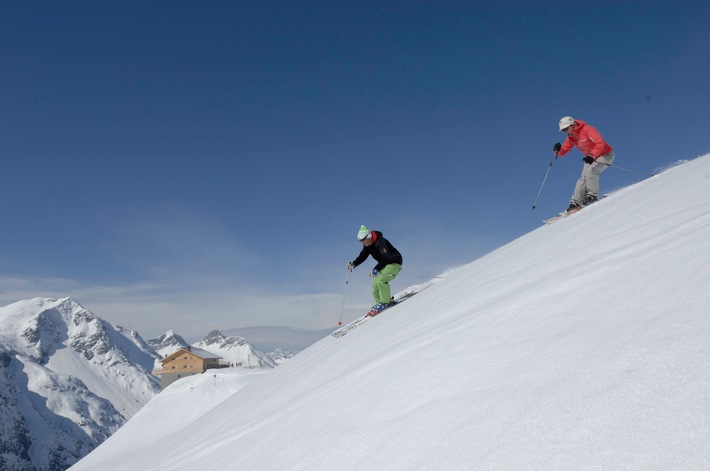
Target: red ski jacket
{"points": [[587, 139]]}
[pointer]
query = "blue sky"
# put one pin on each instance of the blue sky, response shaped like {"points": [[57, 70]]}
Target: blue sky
{"points": [[200, 165]]}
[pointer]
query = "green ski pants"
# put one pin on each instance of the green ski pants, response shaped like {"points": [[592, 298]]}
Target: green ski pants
{"points": [[381, 283]]}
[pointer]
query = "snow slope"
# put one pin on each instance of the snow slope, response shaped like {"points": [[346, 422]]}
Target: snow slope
{"points": [[581, 345]]}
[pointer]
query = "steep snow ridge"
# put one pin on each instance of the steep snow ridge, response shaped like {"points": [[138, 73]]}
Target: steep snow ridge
{"points": [[581, 345], [138, 341]]}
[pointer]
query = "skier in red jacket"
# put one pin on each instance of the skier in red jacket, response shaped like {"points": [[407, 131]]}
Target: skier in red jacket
{"points": [[598, 156]]}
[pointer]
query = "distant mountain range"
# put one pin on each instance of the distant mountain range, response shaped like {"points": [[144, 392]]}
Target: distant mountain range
{"points": [[235, 350], [69, 380]]}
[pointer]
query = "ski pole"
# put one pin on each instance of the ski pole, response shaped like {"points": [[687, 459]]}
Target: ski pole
{"points": [[544, 180], [423, 276], [629, 169], [342, 307]]}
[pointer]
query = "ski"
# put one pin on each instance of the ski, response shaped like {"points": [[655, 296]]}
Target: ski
{"points": [[393, 302], [562, 215], [361, 320], [353, 325]]}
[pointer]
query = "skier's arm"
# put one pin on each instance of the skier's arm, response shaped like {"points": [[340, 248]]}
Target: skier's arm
{"points": [[364, 253], [566, 147]]}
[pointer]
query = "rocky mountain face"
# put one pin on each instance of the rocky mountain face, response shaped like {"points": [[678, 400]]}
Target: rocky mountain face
{"points": [[167, 344], [68, 380], [15, 434]]}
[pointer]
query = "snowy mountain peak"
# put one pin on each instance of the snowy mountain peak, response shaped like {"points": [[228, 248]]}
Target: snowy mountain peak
{"points": [[214, 337], [235, 350], [218, 339], [44, 325], [167, 344]]}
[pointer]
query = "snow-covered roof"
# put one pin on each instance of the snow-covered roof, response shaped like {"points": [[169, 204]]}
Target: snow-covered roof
{"points": [[198, 352]]}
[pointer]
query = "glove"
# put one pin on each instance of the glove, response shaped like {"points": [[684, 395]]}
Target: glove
{"points": [[374, 272], [350, 265], [557, 147], [588, 160]]}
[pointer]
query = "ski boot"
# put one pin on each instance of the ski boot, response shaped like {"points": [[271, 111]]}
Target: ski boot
{"points": [[376, 309]]}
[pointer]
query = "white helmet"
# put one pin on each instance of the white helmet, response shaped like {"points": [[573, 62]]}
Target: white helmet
{"points": [[566, 122]]}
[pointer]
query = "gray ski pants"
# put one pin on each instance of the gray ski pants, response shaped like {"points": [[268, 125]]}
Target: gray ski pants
{"points": [[588, 183]]}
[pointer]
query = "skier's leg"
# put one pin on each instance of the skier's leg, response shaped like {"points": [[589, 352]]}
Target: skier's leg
{"points": [[381, 286], [595, 169], [375, 289], [580, 189]]}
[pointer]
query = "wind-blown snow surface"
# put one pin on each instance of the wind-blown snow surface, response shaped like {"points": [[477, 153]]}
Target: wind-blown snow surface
{"points": [[581, 345]]}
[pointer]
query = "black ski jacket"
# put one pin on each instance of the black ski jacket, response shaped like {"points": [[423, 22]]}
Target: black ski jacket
{"points": [[381, 250]]}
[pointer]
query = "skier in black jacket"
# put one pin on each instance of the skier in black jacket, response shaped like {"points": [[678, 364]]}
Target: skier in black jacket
{"points": [[389, 264]]}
